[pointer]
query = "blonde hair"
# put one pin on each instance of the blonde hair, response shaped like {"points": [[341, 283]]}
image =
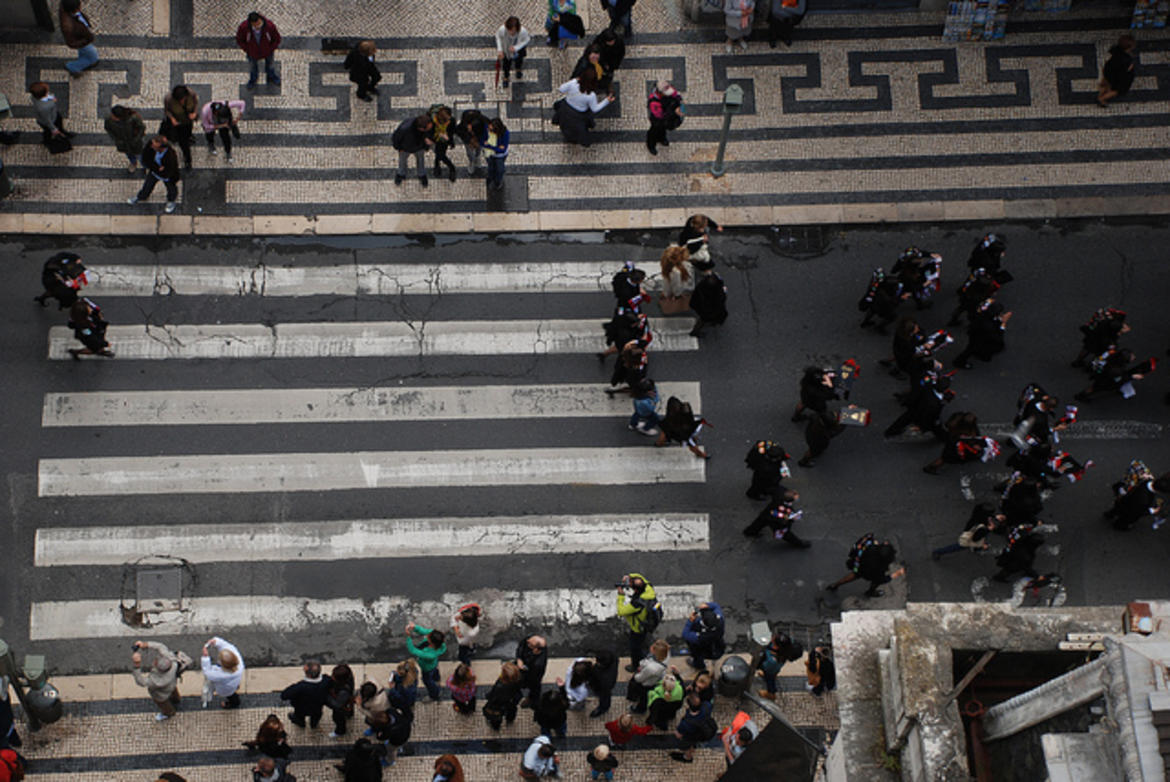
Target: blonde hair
{"points": [[407, 671], [601, 752], [675, 258], [660, 649], [367, 48], [510, 673], [228, 661]]}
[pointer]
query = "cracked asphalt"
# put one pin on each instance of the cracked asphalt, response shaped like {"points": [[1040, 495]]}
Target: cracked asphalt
{"points": [[789, 308]]}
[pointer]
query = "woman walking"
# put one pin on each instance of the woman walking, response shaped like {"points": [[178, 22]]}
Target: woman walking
{"points": [[574, 113], [126, 128], [496, 148], [678, 279], [181, 107], [442, 133]]}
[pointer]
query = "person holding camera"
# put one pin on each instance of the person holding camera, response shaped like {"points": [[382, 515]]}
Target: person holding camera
{"points": [[223, 670], [703, 634], [635, 596], [156, 669]]}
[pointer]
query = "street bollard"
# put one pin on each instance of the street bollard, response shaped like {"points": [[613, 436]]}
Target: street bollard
{"points": [[40, 701], [732, 102]]}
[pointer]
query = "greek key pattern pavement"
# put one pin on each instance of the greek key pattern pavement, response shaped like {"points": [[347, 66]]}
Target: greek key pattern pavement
{"points": [[852, 113]]}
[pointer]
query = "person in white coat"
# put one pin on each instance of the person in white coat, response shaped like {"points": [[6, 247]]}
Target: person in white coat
{"points": [[223, 670]]}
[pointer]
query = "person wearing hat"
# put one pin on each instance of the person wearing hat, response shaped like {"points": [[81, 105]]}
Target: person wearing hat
{"points": [[703, 634], [766, 461], [154, 668], [665, 107], [984, 334]]}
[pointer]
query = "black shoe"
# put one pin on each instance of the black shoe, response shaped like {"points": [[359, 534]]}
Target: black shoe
{"points": [[753, 496], [42, 300], [807, 462], [747, 534], [374, 90], [452, 175], [272, 78], [874, 593], [398, 179], [597, 712], [505, 84], [631, 668], [298, 723], [772, 43], [422, 180], [680, 757], [653, 151], [363, 96], [519, 74], [75, 353], [665, 142]]}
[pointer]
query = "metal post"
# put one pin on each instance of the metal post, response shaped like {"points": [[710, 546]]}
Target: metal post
{"points": [[732, 101], [10, 674]]}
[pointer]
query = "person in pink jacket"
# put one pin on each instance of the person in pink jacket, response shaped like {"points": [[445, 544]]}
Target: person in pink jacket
{"points": [[222, 117]]}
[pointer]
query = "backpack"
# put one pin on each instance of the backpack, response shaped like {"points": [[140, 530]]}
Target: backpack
{"points": [[707, 729], [653, 614], [853, 561], [183, 663]]}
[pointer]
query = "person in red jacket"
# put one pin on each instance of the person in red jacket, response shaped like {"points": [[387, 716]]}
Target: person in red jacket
{"points": [[259, 39]]}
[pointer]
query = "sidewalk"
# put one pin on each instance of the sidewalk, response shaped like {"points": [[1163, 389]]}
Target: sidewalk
{"points": [[866, 118], [109, 732]]}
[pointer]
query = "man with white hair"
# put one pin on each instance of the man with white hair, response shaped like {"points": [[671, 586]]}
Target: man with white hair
{"points": [[223, 670], [154, 668]]}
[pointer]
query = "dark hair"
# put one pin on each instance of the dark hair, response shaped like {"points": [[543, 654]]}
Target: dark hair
{"points": [[580, 673], [470, 615], [497, 126], [254, 17], [221, 111], [312, 669], [436, 638], [587, 81], [512, 23], [179, 92], [745, 735], [1126, 41], [70, 6], [170, 776], [38, 89], [342, 675], [368, 690], [121, 112], [422, 120], [694, 701], [546, 750]]}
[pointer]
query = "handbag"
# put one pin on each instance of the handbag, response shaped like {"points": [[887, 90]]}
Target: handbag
{"points": [[58, 144]]}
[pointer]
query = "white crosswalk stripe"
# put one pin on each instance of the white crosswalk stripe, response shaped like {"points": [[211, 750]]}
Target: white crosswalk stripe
{"points": [[326, 405], [367, 340], [110, 280], [66, 619], [374, 538]]}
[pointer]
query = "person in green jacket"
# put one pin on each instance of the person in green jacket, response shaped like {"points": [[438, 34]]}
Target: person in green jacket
{"points": [[634, 598], [432, 645], [664, 701]]}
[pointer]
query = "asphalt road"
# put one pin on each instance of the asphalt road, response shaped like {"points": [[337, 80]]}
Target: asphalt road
{"points": [[791, 305]]}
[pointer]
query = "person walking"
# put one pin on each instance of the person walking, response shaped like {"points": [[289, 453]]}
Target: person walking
{"points": [[709, 298], [511, 48], [985, 333], [1118, 73], [783, 17], [636, 603], [602, 680], [156, 668], [574, 112], [738, 16], [223, 671], [1102, 331], [820, 670], [89, 328], [181, 108], [620, 14], [465, 627], [363, 70], [77, 30], [601, 763], [308, 696], [870, 559], [1019, 555], [681, 425], [532, 660], [340, 698], [448, 769], [666, 110], [645, 417], [430, 646], [442, 133], [62, 276], [271, 739], [817, 389], [502, 698], [259, 39], [678, 279], [221, 117], [126, 128], [780, 515], [983, 521], [161, 164], [540, 760], [48, 116], [780, 650], [766, 461], [412, 137], [472, 131], [496, 144], [461, 684], [703, 634]]}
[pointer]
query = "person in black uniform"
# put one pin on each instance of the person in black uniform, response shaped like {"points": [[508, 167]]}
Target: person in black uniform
{"points": [[363, 71], [816, 390], [988, 254], [1136, 498], [62, 276], [709, 298], [869, 559], [780, 516], [984, 334], [918, 271], [979, 286], [924, 406], [818, 433], [1022, 499], [1102, 331], [881, 300], [1019, 554], [766, 461], [963, 443], [85, 318], [1113, 373]]}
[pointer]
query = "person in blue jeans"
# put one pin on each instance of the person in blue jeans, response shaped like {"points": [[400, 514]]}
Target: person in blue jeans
{"points": [[645, 417], [620, 21], [432, 645], [77, 30], [781, 649], [983, 521], [601, 763], [496, 150]]}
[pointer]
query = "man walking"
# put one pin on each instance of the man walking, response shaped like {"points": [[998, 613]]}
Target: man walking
{"points": [[161, 165], [308, 696], [155, 669], [77, 29], [433, 646], [412, 137], [532, 659], [259, 39]]}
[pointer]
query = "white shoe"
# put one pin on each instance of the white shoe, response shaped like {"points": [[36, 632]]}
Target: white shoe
{"points": [[160, 717], [727, 48], [213, 151], [334, 734], [132, 167], [649, 432], [228, 159], [743, 44], [170, 207], [132, 200]]}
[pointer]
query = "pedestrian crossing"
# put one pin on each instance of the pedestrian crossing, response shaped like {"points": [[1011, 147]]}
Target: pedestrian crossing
{"points": [[225, 399]]}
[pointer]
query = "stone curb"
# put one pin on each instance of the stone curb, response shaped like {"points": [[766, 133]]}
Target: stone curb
{"points": [[500, 222], [115, 686]]}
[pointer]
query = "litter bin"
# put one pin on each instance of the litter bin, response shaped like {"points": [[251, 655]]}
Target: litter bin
{"points": [[735, 676]]}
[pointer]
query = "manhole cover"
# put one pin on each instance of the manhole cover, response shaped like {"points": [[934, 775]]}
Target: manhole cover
{"points": [[159, 590]]}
